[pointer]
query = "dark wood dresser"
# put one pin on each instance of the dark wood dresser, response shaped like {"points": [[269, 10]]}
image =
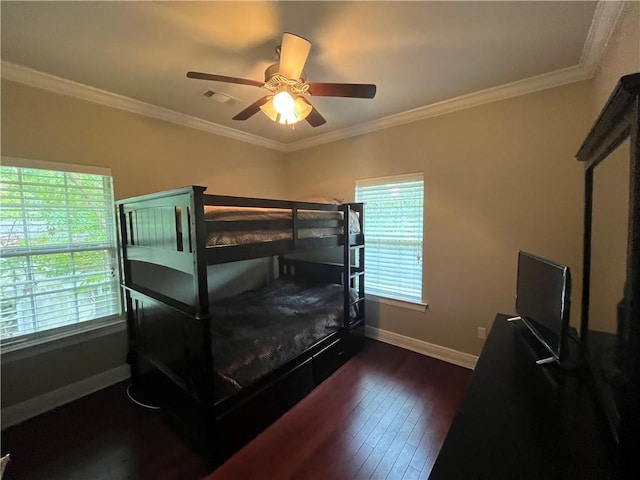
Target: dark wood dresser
{"points": [[519, 420]]}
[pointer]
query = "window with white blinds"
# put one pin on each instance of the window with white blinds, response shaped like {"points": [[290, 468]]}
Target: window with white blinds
{"points": [[393, 235], [58, 259]]}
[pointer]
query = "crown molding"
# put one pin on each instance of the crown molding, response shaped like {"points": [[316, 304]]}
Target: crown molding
{"points": [[494, 94], [605, 19], [62, 86]]}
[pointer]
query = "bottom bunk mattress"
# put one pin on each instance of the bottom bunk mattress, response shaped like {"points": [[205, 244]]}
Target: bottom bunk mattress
{"points": [[258, 331]]}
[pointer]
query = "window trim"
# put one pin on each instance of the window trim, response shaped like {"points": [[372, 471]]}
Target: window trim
{"points": [[57, 166], [36, 346], [412, 304], [407, 304], [52, 339], [404, 177]]}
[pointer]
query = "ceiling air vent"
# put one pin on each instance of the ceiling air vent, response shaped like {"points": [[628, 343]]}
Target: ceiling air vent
{"points": [[221, 97]]}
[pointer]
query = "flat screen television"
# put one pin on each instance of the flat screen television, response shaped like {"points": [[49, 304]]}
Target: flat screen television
{"points": [[543, 297]]}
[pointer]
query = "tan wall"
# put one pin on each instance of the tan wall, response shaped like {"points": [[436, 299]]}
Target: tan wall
{"points": [[611, 181], [498, 178], [145, 155]]}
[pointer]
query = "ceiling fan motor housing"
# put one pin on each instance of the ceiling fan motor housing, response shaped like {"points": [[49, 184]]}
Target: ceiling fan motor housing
{"points": [[276, 82], [272, 70]]}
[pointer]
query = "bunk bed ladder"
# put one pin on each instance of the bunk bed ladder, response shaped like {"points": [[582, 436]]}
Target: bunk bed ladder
{"points": [[353, 277]]}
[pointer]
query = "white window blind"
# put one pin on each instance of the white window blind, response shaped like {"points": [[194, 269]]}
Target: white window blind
{"points": [[58, 259], [393, 235]]}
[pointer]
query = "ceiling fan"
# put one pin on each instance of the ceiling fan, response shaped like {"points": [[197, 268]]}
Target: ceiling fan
{"points": [[286, 81]]}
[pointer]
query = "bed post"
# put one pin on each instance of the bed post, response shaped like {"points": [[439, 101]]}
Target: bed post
{"points": [[125, 275], [199, 235]]}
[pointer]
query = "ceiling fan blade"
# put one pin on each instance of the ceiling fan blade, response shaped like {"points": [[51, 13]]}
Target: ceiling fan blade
{"points": [[314, 118], [251, 109], [293, 54], [222, 78], [354, 90]]}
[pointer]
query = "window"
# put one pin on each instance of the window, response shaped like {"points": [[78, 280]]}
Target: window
{"points": [[393, 235], [58, 264]]}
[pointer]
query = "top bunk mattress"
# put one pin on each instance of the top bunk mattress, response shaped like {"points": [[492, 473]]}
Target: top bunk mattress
{"points": [[229, 214]]}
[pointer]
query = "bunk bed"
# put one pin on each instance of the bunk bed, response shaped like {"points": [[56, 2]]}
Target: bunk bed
{"points": [[225, 368]]}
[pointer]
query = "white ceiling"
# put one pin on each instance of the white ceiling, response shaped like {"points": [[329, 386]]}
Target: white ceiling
{"points": [[417, 53]]}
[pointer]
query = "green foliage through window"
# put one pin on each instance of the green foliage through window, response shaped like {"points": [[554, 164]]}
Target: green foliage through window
{"points": [[58, 265]]}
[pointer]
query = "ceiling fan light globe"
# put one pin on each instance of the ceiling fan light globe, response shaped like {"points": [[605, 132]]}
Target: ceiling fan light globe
{"points": [[269, 110], [301, 108], [283, 103], [289, 119], [298, 111]]}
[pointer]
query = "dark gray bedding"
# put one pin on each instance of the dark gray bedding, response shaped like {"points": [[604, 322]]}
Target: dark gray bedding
{"points": [[258, 331]]}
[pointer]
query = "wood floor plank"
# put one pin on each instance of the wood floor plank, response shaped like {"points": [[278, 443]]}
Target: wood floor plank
{"points": [[402, 462], [394, 447], [411, 474], [384, 414], [382, 444]]}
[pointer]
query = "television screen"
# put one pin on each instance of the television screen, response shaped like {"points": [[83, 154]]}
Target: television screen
{"points": [[542, 300]]}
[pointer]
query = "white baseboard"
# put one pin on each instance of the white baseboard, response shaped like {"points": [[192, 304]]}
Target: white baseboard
{"points": [[425, 348], [22, 411]]}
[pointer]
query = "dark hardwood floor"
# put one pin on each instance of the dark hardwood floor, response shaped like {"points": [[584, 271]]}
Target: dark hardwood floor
{"points": [[383, 415]]}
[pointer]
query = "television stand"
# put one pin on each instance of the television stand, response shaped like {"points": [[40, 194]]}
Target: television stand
{"points": [[542, 361], [520, 421], [572, 358]]}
